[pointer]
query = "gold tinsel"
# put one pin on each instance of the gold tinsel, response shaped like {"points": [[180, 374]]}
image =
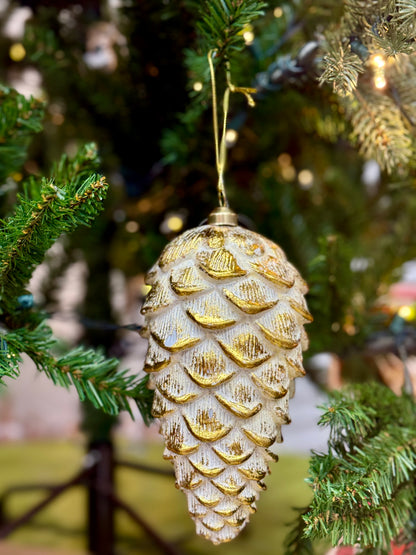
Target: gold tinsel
{"points": [[224, 319]]}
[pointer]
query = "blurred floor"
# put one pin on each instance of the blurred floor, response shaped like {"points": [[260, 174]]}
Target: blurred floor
{"points": [[62, 524]]}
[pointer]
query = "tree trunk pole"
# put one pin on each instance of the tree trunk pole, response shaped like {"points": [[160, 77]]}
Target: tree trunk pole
{"points": [[100, 505]]}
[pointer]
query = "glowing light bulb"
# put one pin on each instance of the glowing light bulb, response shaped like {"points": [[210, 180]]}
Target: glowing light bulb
{"points": [[305, 178], [174, 223], [378, 61], [248, 37], [406, 312], [288, 173], [132, 226], [380, 81], [17, 52], [197, 86], [231, 136], [278, 12]]}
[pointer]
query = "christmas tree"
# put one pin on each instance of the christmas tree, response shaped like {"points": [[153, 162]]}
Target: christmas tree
{"points": [[44, 210], [322, 165]]}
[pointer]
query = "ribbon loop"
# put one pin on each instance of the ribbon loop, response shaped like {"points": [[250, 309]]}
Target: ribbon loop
{"points": [[221, 147]]}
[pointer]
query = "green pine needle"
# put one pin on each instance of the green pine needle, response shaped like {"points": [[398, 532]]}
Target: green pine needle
{"points": [[46, 209], [364, 487], [380, 130], [222, 22], [94, 376], [20, 119], [341, 68], [380, 118], [72, 197], [9, 361]]}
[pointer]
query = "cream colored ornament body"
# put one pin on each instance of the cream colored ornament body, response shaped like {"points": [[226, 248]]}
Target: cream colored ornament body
{"points": [[224, 318]]}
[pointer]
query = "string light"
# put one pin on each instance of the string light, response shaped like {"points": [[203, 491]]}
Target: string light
{"points": [[380, 82], [197, 86], [152, 70], [378, 63], [231, 137], [305, 178], [288, 173], [172, 223], [287, 169], [407, 312], [248, 35], [119, 215], [56, 111], [132, 226], [175, 223], [278, 12], [17, 52]]}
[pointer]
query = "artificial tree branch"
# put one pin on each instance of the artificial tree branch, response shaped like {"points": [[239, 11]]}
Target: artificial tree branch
{"points": [[94, 376], [365, 485]]}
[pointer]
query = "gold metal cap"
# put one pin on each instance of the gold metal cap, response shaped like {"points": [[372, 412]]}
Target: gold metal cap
{"points": [[223, 216]]}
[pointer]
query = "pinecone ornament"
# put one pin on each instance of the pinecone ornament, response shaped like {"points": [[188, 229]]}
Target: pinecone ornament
{"points": [[224, 318]]}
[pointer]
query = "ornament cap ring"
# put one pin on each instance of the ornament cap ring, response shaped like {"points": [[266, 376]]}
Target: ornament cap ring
{"points": [[223, 216]]}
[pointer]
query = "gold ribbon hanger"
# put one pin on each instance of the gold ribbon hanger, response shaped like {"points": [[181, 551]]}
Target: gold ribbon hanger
{"points": [[221, 147]]}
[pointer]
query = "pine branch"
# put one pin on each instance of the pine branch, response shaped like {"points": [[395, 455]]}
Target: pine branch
{"points": [[401, 77], [20, 119], [364, 487], [94, 376], [405, 13], [220, 25], [9, 361], [350, 527], [385, 26], [362, 8], [351, 416], [393, 38], [222, 21], [392, 26], [380, 122], [341, 68], [64, 202], [379, 129], [47, 208]]}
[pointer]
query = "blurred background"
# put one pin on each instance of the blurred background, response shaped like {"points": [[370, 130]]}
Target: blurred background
{"points": [[114, 72]]}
